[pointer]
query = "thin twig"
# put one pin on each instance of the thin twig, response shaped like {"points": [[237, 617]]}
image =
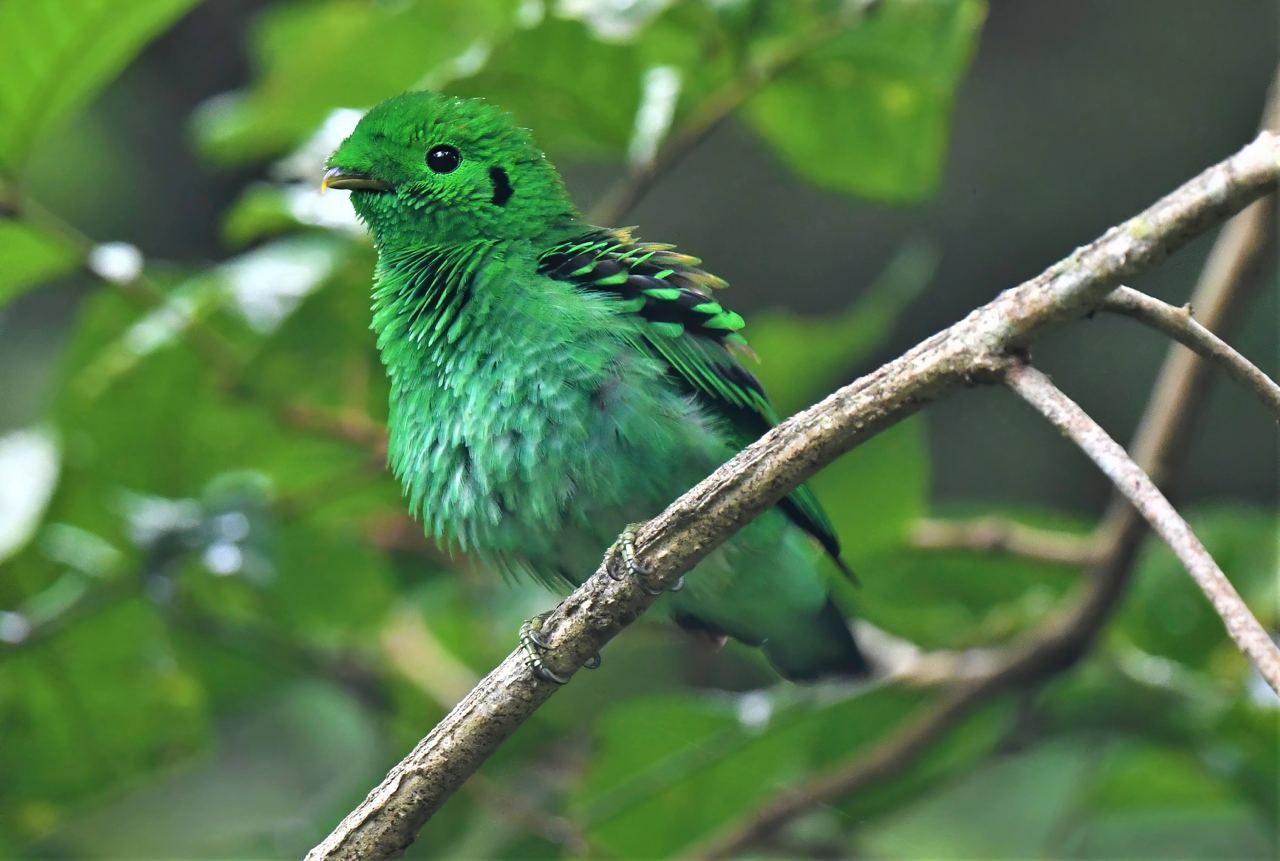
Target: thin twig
{"points": [[1039, 391], [1178, 324], [974, 350], [1001, 535]]}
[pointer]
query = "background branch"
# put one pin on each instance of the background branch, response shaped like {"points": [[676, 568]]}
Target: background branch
{"points": [[1178, 324], [973, 350], [1001, 535], [1037, 390]]}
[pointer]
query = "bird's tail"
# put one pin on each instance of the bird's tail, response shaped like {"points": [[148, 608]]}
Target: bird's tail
{"points": [[817, 647]]}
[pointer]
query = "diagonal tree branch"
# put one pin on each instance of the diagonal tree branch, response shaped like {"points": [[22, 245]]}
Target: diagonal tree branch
{"points": [[1178, 324], [1039, 391], [1161, 443], [976, 349]]}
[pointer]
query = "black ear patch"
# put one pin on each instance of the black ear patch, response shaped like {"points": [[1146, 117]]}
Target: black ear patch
{"points": [[502, 189]]}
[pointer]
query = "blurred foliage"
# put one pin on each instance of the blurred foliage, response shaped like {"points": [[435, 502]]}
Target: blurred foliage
{"points": [[32, 256], [58, 53], [217, 627]]}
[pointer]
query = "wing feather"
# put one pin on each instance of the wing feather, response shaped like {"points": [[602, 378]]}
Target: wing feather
{"points": [[690, 331]]}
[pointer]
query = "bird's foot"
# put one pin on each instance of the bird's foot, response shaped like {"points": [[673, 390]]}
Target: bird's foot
{"points": [[534, 645], [624, 550]]}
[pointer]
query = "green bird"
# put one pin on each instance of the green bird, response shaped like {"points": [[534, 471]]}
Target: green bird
{"points": [[553, 381]]}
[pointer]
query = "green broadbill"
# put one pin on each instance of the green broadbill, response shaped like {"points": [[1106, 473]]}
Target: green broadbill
{"points": [[553, 381]]}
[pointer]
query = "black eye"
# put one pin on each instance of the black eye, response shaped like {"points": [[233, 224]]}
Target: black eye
{"points": [[443, 158]]}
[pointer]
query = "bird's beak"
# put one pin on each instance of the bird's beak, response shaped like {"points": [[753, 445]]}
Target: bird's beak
{"points": [[352, 180]]}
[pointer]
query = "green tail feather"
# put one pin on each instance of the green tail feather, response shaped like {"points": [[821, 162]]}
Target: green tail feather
{"points": [[817, 647]]}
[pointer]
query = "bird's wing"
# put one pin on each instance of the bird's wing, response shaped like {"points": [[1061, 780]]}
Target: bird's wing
{"points": [[690, 331]]}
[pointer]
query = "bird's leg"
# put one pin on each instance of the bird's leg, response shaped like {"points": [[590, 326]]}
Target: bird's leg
{"points": [[534, 645], [624, 548]]}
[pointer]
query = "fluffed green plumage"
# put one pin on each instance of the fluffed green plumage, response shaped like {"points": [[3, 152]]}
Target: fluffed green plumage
{"points": [[552, 381]]}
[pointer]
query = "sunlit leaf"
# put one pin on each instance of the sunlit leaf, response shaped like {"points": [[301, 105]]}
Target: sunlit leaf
{"points": [[31, 256], [56, 54], [313, 57], [867, 113], [28, 471]]}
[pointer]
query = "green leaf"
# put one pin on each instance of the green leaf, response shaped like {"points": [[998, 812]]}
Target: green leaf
{"points": [[701, 765], [868, 112], [967, 744], [874, 493], [128, 438], [56, 54], [1167, 614], [707, 762], [277, 778], [32, 256], [330, 586], [260, 212], [313, 57], [1184, 711], [1150, 776], [963, 599], [537, 74], [1080, 795], [1218, 832], [28, 473], [324, 348], [99, 706], [1009, 809]]}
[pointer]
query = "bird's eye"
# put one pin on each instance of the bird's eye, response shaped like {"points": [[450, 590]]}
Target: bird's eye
{"points": [[443, 158]]}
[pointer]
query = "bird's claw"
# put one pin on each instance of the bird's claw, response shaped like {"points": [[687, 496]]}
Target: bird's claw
{"points": [[534, 645], [624, 548]]}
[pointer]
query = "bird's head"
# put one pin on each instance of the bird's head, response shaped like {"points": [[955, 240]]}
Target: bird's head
{"points": [[425, 168]]}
